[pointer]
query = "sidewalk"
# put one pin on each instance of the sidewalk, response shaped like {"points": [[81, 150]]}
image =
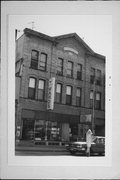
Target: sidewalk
{"points": [[30, 146]]}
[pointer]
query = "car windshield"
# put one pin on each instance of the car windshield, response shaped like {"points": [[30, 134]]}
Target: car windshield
{"points": [[99, 140]]}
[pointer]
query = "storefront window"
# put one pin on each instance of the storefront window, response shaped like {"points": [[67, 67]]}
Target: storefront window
{"points": [[47, 130]]}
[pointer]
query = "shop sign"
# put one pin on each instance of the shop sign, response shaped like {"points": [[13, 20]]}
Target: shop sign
{"points": [[51, 94], [86, 118]]}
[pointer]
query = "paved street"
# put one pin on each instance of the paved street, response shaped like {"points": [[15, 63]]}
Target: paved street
{"points": [[28, 148], [48, 153], [39, 153]]}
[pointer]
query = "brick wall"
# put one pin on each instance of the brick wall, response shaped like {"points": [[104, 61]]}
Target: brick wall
{"points": [[53, 52]]}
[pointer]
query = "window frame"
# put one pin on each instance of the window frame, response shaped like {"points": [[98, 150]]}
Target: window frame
{"points": [[92, 76], [61, 67], [58, 94], [79, 73], [34, 61], [98, 101], [98, 78], [69, 96], [93, 98], [32, 89], [70, 70], [78, 100], [43, 90], [43, 68]]}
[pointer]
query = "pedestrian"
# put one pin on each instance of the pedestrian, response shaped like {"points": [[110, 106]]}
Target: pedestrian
{"points": [[88, 141]]}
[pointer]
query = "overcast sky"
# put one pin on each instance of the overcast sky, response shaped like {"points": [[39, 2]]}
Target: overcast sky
{"points": [[95, 30]]}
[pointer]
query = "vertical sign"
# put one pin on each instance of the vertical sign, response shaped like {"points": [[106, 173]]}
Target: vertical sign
{"points": [[51, 93]]}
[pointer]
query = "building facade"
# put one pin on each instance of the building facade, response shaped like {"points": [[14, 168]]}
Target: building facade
{"points": [[60, 87]]}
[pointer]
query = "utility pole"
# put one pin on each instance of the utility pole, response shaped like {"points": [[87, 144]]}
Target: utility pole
{"points": [[93, 119]]}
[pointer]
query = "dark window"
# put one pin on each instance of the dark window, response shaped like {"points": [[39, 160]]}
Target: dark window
{"points": [[41, 89], [98, 100], [43, 62], [69, 95], [98, 78], [92, 77], [60, 66], [31, 88], [70, 69], [59, 93], [78, 97], [34, 59], [79, 71]]}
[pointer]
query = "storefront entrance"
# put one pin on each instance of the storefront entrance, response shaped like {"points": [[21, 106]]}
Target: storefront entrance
{"points": [[28, 129]]}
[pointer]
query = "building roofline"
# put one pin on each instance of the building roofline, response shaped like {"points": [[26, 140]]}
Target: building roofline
{"points": [[77, 38], [38, 34], [55, 39]]}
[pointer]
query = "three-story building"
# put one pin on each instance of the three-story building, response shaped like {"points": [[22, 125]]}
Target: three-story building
{"points": [[77, 76]]}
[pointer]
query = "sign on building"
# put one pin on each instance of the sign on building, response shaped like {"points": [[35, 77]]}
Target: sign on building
{"points": [[86, 118], [51, 94]]}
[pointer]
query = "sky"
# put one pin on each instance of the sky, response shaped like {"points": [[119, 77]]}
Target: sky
{"points": [[95, 30]]}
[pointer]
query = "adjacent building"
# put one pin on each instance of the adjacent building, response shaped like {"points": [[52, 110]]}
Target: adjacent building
{"points": [[60, 87]]}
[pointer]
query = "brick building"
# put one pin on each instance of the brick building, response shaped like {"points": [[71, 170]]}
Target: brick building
{"points": [[79, 98]]}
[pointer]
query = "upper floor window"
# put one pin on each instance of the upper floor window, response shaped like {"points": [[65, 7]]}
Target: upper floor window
{"points": [[98, 78], [34, 59], [79, 71], [59, 93], [70, 69], [43, 62], [91, 98], [41, 89], [98, 100], [92, 76], [78, 97], [68, 95], [60, 66], [31, 88]]}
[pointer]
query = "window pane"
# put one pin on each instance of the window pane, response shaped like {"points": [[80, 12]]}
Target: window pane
{"points": [[31, 93], [69, 65], [78, 92], [78, 101], [58, 97], [60, 66], [91, 94], [32, 83], [40, 94], [70, 68], [98, 73], [41, 84], [34, 55], [68, 90], [98, 96], [58, 89], [43, 60], [43, 57], [68, 99], [92, 71], [79, 67]]}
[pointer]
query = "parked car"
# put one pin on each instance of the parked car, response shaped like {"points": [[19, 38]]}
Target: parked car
{"points": [[97, 146]]}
